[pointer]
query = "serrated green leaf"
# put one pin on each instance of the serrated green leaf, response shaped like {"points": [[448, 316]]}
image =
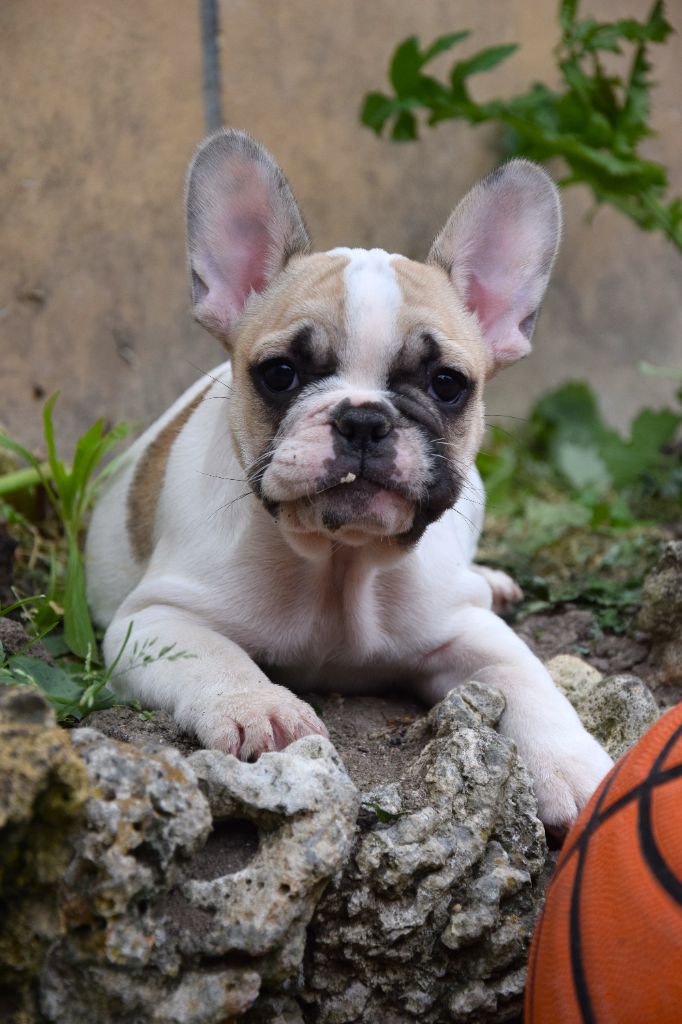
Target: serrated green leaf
{"points": [[405, 67], [376, 110], [405, 127], [642, 454], [484, 60], [443, 43]]}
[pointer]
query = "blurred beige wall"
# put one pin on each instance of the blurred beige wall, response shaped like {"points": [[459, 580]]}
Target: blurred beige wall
{"points": [[101, 109]]}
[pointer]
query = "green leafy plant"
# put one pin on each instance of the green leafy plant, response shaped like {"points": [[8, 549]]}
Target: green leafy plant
{"points": [[77, 687], [577, 512], [70, 490], [76, 683], [594, 122]]}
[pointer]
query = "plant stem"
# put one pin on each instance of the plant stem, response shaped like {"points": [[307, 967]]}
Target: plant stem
{"points": [[21, 479]]}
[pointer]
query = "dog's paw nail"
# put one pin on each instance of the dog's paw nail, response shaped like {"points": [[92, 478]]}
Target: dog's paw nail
{"points": [[250, 726]]}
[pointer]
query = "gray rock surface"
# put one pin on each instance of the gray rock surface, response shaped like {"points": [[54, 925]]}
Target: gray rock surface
{"points": [[138, 887], [433, 915], [201, 890], [305, 807], [661, 613], [193, 880], [617, 709]]}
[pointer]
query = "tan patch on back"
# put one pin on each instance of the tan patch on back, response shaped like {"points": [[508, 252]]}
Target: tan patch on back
{"points": [[150, 473]]}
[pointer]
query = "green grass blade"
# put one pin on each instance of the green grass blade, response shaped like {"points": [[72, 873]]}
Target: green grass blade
{"points": [[57, 467], [78, 631]]}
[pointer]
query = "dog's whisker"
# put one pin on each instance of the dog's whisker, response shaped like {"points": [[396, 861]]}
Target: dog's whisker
{"points": [[205, 373], [472, 526], [511, 436], [230, 479], [507, 416], [229, 504]]}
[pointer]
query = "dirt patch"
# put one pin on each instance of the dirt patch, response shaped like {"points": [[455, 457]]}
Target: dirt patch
{"points": [[15, 640], [141, 729], [369, 734], [571, 630], [230, 846]]}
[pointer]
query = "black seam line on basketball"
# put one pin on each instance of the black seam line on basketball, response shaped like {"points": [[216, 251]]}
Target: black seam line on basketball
{"points": [[582, 991], [668, 775], [649, 849]]}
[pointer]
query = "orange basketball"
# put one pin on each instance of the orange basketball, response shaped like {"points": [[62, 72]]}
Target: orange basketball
{"points": [[608, 946]]}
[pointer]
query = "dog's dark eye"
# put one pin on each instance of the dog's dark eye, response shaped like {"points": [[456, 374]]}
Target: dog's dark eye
{"points": [[278, 375], [449, 386]]}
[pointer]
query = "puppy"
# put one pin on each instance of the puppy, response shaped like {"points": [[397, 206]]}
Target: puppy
{"points": [[306, 516]]}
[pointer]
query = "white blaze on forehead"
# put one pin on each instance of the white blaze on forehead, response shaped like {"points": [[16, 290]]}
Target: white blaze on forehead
{"points": [[372, 302]]}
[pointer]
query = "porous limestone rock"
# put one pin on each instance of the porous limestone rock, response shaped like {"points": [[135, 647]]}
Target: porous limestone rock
{"points": [[166, 927], [574, 677], [136, 886], [432, 917], [306, 807], [140, 886], [617, 709], [43, 786], [661, 612]]}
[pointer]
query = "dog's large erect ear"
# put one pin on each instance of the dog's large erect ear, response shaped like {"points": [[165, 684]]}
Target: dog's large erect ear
{"points": [[243, 224], [498, 247]]}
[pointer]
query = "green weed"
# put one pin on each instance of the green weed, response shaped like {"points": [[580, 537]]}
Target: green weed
{"points": [[76, 687], [77, 683], [71, 490], [575, 511], [595, 122]]}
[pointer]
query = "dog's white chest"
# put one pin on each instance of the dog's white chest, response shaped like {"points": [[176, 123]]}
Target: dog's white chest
{"points": [[310, 615]]}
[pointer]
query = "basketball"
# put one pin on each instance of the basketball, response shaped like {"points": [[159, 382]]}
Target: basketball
{"points": [[607, 948]]}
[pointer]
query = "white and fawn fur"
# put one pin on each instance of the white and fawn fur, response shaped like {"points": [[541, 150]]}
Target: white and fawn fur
{"points": [[306, 516]]}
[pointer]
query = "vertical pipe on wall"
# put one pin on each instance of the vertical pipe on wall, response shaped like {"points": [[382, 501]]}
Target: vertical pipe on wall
{"points": [[210, 28]]}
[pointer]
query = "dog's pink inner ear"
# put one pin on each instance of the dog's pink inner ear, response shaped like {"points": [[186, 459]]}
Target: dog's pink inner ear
{"points": [[243, 224], [498, 246]]}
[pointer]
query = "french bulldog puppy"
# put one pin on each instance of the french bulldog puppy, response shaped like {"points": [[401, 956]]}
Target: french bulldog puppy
{"points": [[306, 516]]}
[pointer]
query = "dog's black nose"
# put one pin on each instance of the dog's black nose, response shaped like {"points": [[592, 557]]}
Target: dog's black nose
{"points": [[362, 424]]}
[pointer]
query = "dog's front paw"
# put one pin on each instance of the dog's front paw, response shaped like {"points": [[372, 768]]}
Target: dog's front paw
{"points": [[506, 591], [247, 724], [565, 776]]}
